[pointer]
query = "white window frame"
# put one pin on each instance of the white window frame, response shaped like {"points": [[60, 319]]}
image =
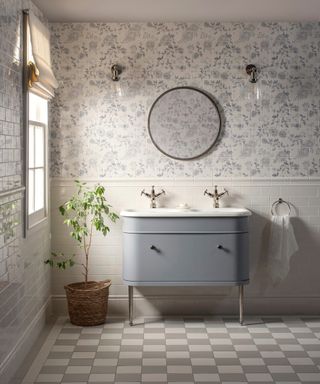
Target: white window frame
{"points": [[39, 216], [39, 80], [35, 218]]}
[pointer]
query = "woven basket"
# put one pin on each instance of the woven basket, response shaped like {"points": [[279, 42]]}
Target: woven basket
{"points": [[88, 303]]}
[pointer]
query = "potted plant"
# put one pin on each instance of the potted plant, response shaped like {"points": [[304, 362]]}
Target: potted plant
{"points": [[87, 210]]}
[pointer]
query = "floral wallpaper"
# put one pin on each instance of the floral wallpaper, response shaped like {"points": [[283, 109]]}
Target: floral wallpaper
{"points": [[99, 127]]}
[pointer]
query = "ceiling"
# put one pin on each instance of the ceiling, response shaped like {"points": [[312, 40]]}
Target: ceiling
{"points": [[180, 10]]}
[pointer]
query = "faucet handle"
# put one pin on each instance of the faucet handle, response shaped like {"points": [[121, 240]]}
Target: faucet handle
{"points": [[207, 193], [152, 196], [163, 192], [225, 191], [143, 192]]}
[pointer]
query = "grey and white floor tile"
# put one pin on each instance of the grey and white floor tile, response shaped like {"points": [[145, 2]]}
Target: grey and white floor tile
{"points": [[203, 350]]}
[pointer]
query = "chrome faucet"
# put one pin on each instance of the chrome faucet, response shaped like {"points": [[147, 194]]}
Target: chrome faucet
{"points": [[152, 196], [216, 195]]}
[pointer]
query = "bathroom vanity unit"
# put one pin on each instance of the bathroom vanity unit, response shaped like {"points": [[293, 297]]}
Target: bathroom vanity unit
{"points": [[171, 247]]}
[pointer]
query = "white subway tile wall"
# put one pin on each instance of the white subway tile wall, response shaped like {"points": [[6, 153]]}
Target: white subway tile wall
{"points": [[298, 293], [24, 279], [10, 96]]}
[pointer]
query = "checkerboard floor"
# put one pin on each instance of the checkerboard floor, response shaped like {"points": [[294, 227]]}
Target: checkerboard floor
{"points": [[202, 350]]}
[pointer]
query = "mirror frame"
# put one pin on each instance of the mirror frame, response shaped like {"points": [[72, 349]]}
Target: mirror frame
{"points": [[212, 100]]}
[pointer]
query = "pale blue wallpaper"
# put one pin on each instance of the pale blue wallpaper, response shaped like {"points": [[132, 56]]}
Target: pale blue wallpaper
{"points": [[99, 127]]}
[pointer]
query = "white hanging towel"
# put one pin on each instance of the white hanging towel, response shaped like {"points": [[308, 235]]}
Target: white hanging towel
{"points": [[282, 245]]}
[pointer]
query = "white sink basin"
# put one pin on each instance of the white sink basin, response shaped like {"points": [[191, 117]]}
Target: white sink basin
{"points": [[191, 212]]}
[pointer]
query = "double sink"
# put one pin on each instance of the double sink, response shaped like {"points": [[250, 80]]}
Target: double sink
{"points": [[186, 212], [177, 247]]}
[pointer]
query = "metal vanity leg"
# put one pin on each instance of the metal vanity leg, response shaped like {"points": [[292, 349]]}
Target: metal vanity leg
{"points": [[130, 291], [241, 288]]}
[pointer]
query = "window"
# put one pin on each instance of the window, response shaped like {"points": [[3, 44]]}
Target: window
{"points": [[40, 83], [37, 158]]}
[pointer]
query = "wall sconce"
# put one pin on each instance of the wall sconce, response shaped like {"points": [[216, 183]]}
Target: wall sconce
{"points": [[251, 70], [116, 70], [252, 90]]}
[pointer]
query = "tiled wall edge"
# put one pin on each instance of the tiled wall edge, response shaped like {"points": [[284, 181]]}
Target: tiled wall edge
{"points": [[42, 355], [19, 352]]}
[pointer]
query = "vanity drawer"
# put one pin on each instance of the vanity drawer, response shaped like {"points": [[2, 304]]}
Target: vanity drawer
{"points": [[185, 258], [186, 225]]}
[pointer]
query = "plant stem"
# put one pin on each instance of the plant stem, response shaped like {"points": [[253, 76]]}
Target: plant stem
{"points": [[87, 251], [85, 269], [86, 275], [86, 255]]}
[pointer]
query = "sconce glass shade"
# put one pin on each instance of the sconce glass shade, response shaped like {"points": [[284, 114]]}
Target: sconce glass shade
{"points": [[251, 91], [256, 91], [117, 89]]}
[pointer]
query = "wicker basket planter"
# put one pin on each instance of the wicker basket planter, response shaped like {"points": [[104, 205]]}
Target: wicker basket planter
{"points": [[88, 303], [85, 213]]}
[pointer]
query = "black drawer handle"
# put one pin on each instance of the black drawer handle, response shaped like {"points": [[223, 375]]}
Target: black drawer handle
{"points": [[154, 248], [219, 246]]}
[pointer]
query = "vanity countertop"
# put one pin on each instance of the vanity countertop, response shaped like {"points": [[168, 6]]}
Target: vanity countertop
{"points": [[192, 212]]}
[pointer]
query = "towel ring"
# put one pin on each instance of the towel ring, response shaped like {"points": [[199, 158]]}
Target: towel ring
{"points": [[280, 201]]}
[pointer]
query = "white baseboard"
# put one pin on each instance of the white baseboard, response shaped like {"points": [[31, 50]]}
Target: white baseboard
{"points": [[19, 352], [207, 305]]}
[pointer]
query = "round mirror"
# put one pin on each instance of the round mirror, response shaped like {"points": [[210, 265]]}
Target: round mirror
{"points": [[184, 123]]}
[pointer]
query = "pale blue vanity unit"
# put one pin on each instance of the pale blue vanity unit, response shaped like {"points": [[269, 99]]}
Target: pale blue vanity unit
{"points": [[171, 247]]}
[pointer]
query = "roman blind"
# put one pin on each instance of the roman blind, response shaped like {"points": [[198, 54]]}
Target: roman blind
{"points": [[41, 79]]}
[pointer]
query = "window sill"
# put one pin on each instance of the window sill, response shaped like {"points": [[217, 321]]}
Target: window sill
{"points": [[41, 223]]}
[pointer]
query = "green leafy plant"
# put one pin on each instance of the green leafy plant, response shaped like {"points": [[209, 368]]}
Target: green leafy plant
{"points": [[85, 211]]}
